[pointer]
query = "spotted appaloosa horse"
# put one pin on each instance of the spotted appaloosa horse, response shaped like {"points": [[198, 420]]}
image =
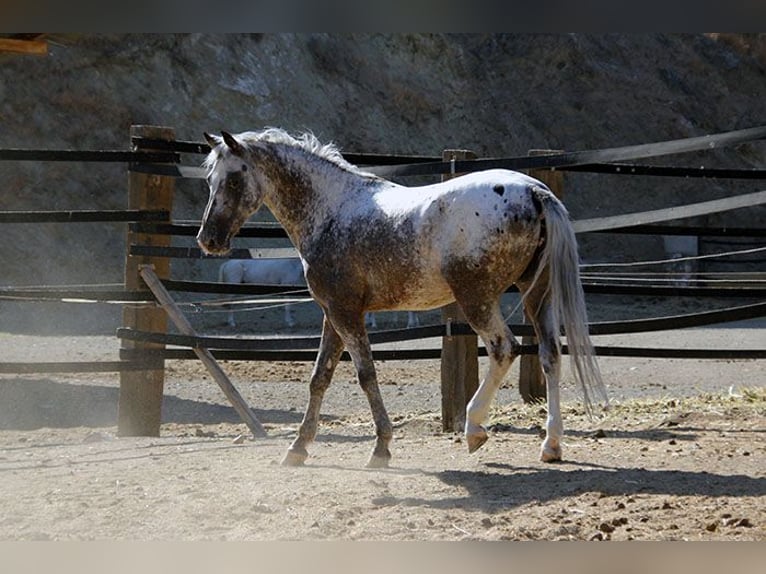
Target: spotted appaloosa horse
{"points": [[368, 244]]}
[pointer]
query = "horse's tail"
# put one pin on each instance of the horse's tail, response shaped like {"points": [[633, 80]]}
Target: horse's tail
{"points": [[567, 298]]}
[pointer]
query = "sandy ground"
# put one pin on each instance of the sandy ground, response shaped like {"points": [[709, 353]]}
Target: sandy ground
{"points": [[680, 456]]}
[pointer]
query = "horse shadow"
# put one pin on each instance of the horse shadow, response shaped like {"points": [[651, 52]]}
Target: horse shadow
{"points": [[510, 486]]}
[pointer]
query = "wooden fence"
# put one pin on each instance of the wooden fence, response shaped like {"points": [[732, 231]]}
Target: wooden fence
{"points": [[154, 164]]}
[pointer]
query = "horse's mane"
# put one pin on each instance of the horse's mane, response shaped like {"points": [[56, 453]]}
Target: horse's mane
{"points": [[305, 141]]}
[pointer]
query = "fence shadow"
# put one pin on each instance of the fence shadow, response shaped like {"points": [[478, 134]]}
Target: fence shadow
{"points": [[27, 404]]}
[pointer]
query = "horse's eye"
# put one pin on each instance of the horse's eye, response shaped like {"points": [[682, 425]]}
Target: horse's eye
{"points": [[244, 167]]}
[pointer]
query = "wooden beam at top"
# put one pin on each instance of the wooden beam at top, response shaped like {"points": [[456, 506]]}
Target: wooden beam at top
{"points": [[36, 47]]}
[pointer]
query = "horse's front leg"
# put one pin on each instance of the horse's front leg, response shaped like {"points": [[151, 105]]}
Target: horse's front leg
{"points": [[330, 349], [359, 348]]}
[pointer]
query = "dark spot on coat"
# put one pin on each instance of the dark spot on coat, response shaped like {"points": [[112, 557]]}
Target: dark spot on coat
{"points": [[499, 189], [537, 201], [476, 213]]}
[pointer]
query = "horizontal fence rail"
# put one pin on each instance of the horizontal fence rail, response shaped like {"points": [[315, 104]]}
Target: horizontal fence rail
{"points": [[389, 170], [274, 230], [193, 147], [435, 354], [95, 294], [685, 321], [28, 368], [83, 216], [115, 293], [668, 171], [291, 348], [580, 158], [190, 229], [596, 161], [96, 156]]}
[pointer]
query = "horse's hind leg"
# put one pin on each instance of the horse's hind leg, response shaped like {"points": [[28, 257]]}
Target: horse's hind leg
{"points": [[330, 350], [538, 309], [502, 349]]}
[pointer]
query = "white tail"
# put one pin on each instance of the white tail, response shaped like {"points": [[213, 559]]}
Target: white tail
{"points": [[567, 297]]}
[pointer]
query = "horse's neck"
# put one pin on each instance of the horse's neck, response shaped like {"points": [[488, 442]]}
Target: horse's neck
{"points": [[306, 191]]}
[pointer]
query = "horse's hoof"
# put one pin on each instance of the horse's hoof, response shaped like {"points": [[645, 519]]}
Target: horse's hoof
{"points": [[379, 458], [378, 461], [476, 440], [548, 454], [295, 458]]}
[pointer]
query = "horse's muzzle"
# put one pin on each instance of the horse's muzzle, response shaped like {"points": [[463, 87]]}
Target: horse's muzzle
{"points": [[214, 241]]}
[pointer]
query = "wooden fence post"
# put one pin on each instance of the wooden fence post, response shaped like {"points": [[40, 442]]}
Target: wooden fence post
{"points": [[140, 401], [460, 353], [531, 380]]}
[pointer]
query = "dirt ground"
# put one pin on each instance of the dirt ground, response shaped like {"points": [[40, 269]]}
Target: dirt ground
{"points": [[680, 455]]}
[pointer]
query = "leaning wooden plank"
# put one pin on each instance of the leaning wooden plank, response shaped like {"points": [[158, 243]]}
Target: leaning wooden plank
{"points": [[175, 314]]}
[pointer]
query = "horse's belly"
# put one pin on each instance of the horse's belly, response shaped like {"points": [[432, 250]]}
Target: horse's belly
{"points": [[425, 300], [419, 292]]}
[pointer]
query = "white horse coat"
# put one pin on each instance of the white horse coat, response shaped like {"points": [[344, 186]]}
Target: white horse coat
{"points": [[277, 271]]}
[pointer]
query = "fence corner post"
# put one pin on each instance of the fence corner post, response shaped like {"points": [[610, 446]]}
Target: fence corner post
{"points": [[531, 380], [460, 353], [140, 399]]}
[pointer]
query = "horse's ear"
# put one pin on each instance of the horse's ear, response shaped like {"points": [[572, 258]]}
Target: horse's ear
{"points": [[212, 141], [235, 147]]}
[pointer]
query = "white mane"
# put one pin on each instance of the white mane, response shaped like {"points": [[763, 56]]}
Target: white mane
{"points": [[306, 141]]}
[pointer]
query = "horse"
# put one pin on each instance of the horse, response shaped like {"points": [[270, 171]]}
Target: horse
{"points": [[279, 271], [369, 244]]}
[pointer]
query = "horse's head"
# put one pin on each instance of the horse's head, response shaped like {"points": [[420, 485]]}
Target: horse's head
{"points": [[235, 193]]}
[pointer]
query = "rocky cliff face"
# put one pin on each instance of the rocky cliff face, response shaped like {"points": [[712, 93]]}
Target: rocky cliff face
{"points": [[499, 95]]}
